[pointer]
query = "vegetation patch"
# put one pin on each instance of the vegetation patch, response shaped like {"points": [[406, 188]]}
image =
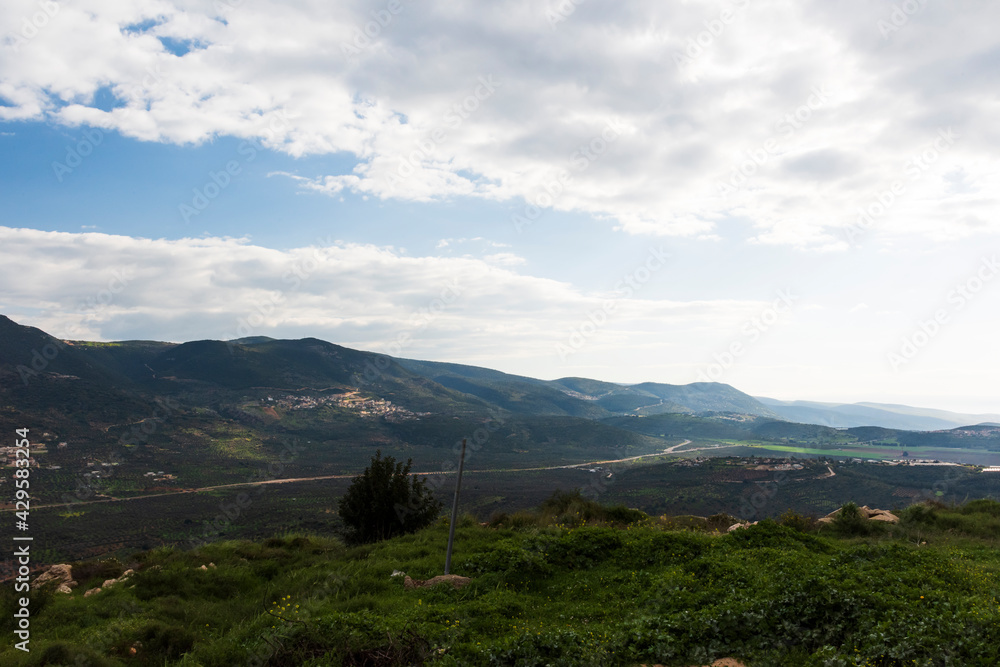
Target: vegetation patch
{"points": [[593, 591]]}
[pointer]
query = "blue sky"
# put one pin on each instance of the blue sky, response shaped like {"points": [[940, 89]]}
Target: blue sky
{"points": [[798, 199]]}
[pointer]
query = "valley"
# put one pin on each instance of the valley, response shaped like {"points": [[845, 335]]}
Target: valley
{"points": [[138, 444]]}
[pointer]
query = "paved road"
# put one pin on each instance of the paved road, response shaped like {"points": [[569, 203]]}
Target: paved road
{"points": [[589, 464]]}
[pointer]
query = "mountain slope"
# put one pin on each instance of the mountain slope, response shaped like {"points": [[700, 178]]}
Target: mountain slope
{"points": [[841, 415]]}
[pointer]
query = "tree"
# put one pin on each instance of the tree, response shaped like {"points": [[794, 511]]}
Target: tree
{"points": [[385, 501]]}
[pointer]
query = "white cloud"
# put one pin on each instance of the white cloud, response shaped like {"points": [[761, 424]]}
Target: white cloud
{"points": [[99, 286], [495, 102]]}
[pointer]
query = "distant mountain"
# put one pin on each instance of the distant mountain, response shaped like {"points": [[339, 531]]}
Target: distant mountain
{"points": [[840, 415], [42, 375], [584, 397], [234, 403]]}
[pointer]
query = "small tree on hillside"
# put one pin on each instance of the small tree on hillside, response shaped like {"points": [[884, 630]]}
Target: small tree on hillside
{"points": [[385, 501]]}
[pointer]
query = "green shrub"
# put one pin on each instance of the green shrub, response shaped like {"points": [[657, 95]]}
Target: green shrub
{"points": [[584, 547], [768, 533], [721, 521], [97, 571], [623, 516], [981, 506], [796, 521], [385, 500], [154, 643], [851, 521], [64, 653]]}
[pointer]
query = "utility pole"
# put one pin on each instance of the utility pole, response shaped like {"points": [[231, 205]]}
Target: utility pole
{"points": [[454, 510]]}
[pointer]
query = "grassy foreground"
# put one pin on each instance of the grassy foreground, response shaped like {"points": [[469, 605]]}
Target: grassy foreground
{"points": [[550, 588]]}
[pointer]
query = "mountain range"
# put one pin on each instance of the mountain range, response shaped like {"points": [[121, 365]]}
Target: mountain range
{"points": [[846, 415], [213, 409]]}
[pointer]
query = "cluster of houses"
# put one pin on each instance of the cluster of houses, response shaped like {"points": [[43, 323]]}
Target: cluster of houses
{"points": [[160, 476], [365, 407]]}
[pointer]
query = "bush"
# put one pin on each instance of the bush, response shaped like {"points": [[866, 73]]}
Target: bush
{"points": [[852, 522], [981, 506], [796, 521], [621, 515], [385, 501], [155, 643], [62, 653]]}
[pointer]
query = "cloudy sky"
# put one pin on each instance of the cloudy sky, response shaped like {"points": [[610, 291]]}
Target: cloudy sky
{"points": [[796, 198]]}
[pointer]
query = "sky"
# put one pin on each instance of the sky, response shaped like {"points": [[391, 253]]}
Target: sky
{"points": [[795, 198]]}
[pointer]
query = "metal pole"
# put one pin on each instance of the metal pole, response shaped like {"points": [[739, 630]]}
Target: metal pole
{"points": [[454, 510]]}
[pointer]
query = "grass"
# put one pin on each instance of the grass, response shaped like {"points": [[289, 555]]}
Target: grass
{"points": [[572, 583], [855, 452]]}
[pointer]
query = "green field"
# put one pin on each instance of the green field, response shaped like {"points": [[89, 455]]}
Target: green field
{"points": [[574, 584]]}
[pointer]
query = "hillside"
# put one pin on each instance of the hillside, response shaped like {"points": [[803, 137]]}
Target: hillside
{"points": [[570, 584], [901, 417]]}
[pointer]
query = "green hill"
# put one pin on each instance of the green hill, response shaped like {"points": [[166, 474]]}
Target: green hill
{"points": [[570, 584]]}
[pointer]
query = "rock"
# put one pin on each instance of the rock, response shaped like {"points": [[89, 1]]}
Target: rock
{"points": [[452, 579], [60, 573], [108, 583], [867, 512], [203, 567], [126, 574], [212, 565], [63, 588], [721, 662], [737, 526], [92, 591], [397, 573]]}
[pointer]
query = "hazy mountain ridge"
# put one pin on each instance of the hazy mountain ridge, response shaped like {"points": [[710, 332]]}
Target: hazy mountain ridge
{"points": [[238, 402], [846, 415]]}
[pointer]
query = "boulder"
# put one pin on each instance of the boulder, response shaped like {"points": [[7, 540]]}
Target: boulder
{"points": [[452, 579], [737, 526], [63, 574], [108, 583], [867, 512], [63, 588], [92, 591]]}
